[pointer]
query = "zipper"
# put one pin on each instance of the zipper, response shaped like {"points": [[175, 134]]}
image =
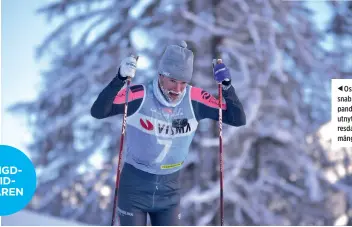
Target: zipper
{"points": [[156, 188]]}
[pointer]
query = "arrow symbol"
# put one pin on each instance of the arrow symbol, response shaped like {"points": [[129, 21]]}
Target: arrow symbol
{"points": [[340, 88]]}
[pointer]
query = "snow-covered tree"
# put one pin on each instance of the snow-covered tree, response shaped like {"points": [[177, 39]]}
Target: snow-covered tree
{"points": [[340, 30], [340, 160], [279, 73]]}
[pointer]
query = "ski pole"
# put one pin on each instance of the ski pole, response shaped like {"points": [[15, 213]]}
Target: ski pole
{"points": [[123, 132], [219, 61]]}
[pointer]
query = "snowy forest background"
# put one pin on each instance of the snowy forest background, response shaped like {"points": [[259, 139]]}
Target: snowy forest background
{"points": [[279, 168]]}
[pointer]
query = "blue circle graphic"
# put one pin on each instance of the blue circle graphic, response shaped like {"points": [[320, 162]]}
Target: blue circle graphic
{"points": [[17, 180]]}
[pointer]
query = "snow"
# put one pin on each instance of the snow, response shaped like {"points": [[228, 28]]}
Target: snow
{"points": [[28, 218], [279, 167]]}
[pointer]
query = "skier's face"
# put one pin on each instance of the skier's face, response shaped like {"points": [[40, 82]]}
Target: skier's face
{"points": [[173, 89]]}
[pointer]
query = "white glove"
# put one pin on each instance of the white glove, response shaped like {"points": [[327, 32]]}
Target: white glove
{"points": [[128, 67]]}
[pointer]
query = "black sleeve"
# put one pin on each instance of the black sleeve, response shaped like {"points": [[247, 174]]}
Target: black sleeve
{"points": [[233, 114], [104, 105]]}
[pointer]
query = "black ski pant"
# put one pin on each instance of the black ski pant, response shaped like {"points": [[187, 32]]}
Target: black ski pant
{"points": [[141, 193]]}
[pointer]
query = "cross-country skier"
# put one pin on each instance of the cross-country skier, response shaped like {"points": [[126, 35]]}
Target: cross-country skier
{"points": [[162, 118]]}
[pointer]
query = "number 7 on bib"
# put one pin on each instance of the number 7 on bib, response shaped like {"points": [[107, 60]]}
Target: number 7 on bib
{"points": [[162, 155]]}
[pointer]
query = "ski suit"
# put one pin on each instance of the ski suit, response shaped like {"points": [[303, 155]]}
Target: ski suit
{"points": [[157, 144]]}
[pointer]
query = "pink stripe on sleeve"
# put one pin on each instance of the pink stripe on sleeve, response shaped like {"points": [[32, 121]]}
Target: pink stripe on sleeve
{"points": [[199, 95], [120, 98]]}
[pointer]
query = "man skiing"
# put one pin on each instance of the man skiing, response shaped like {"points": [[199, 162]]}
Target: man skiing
{"points": [[162, 118]]}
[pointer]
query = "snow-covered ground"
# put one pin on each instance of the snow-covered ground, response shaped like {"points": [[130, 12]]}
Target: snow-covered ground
{"points": [[28, 218]]}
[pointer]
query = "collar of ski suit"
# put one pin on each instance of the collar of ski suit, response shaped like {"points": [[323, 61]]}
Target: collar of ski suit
{"points": [[161, 98]]}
